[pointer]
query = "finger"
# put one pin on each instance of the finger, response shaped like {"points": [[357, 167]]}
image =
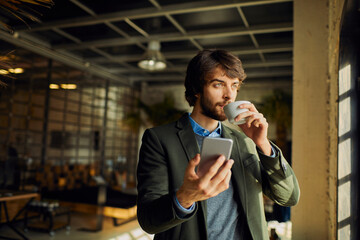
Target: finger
{"points": [[263, 122], [226, 181], [223, 185], [222, 173], [196, 160], [214, 168], [249, 106], [193, 163], [243, 115], [257, 121], [254, 119]]}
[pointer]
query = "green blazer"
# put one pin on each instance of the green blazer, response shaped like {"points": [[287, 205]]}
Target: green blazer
{"points": [[164, 155]]}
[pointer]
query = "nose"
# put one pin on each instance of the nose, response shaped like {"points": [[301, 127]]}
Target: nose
{"points": [[228, 93]]}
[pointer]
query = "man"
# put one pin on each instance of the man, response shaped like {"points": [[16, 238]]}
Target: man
{"points": [[227, 201]]}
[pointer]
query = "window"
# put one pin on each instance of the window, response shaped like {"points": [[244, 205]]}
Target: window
{"points": [[348, 125]]}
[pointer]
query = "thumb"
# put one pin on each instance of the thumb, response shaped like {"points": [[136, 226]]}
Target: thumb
{"points": [[194, 161]]}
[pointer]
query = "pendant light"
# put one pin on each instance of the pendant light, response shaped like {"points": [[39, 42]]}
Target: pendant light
{"points": [[153, 59]]}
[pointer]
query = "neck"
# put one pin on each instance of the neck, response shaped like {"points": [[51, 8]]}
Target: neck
{"points": [[204, 121]]}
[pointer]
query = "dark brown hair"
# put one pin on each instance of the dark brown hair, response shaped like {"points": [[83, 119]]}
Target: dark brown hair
{"points": [[204, 63]]}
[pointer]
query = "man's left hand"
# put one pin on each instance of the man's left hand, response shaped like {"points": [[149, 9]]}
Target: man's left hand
{"points": [[255, 127]]}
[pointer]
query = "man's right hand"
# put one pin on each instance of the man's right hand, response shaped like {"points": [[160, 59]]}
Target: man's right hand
{"points": [[210, 184]]}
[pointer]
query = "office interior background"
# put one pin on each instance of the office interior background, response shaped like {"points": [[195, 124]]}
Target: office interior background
{"points": [[78, 93]]}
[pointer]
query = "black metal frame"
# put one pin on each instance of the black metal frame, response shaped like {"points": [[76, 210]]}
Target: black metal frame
{"points": [[9, 222]]}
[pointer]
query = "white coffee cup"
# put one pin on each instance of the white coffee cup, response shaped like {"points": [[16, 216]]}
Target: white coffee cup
{"points": [[232, 110]]}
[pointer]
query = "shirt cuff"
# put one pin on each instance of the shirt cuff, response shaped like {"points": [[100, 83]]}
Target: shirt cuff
{"points": [[274, 151], [181, 212]]}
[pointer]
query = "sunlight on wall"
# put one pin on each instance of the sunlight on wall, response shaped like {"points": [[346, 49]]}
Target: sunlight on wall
{"points": [[344, 154], [344, 79], [344, 233], [344, 116], [344, 201]]}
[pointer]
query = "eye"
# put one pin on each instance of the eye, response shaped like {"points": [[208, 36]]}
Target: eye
{"points": [[236, 86], [219, 84]]}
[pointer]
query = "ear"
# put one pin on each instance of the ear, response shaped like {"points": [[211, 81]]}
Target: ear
{"points": [[198, 96]]}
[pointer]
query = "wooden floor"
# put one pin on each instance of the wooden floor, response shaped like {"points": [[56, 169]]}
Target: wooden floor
{"points": [[126, 231]]}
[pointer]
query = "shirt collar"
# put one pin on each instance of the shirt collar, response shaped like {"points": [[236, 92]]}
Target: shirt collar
{"points": [[204, 132]]}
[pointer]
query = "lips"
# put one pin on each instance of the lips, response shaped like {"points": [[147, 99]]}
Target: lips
{"points": [[224, 104]]}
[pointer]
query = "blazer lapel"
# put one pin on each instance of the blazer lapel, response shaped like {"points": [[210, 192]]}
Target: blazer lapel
{"points": [[191, 148], [187, 137], [238, 172]]}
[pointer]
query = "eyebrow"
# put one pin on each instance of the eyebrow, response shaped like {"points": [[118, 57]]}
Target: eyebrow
{"points": [[215, 80], [218, 80]]}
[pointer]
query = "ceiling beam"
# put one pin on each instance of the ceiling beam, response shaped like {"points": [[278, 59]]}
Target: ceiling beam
{"points": [[173, 9], [179, 68], [176, 24], [277, 63], [60, 56], [168, 37], [247, 65], [179, 78], [191, 54]]}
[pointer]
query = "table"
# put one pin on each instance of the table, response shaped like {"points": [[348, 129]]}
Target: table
{"points": [[48, 211], [8, 195]]}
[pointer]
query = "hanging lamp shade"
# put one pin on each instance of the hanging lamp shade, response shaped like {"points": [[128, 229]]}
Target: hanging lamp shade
{"points": [[153, 59]]}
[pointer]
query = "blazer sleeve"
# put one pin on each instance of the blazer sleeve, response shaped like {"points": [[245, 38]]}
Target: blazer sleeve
{"points": [[279, 182], [155, 210]]}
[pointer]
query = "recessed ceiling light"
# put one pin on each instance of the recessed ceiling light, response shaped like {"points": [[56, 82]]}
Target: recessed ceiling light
{"points": [[68, 86], [4, 72], [54, 86], [16, 70]]}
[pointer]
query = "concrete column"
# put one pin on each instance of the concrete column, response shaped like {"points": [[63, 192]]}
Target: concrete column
{"points": [[316, 39]]}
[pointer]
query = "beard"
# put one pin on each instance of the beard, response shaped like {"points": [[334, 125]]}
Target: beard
{"points": [[210, 110]]}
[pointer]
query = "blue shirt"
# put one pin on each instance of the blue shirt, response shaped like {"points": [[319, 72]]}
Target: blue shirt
{"points": [[204, 132]]}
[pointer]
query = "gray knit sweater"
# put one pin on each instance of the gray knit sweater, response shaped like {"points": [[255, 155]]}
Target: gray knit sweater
{"points": [[224, 218]]}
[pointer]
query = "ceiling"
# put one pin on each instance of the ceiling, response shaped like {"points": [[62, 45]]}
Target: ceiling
{"points": [[107, 38]]}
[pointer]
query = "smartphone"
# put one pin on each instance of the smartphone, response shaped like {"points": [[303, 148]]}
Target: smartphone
{"points": [[211, 149]]}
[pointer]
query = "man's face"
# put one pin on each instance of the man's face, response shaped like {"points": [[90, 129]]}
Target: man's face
{"points": [[218, 91]]}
